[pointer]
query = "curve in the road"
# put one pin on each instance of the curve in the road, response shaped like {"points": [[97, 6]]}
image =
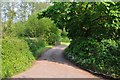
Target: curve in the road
{"points": [[53, 65]]}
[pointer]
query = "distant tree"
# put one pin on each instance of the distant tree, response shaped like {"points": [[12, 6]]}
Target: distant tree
{"points": [[13, 12], [9, 15]]}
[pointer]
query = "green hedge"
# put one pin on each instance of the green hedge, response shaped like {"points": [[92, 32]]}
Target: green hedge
{"points": [[43, 28], [16, 56], [36, 45], [65, 39], [102, 57]]}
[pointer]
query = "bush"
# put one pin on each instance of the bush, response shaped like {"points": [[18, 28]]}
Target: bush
{"points": [[35, 44], [16, 56], [43, 28], [18, 29], [65, 39], [53, 35], [102, 57]]}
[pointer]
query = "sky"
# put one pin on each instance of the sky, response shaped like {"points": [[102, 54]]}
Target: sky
{"points": [[25, 0], [58, 0], [17, 7]]}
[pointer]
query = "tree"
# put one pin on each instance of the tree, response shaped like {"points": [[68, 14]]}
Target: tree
{"points": [[95, 20], [95, 32], [43, 28], [13, 12], [9, 15]]}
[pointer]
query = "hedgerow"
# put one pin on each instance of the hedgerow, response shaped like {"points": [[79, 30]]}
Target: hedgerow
{"points": [[16, 56], [35, 44], [101, 57]]}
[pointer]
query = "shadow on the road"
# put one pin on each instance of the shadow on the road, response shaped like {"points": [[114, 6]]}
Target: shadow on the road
{"points": [[56, 54]]}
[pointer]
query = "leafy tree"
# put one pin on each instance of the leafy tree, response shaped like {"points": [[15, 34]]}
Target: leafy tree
{"points": [[94, 28], [97, 20], [10, 13], [43, 28]]}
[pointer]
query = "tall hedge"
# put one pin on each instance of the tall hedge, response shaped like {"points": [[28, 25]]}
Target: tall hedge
{"points": [[101, 57], [16, 56]]}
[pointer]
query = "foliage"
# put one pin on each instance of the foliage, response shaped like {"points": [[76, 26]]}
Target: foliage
{"points": [[97, 20], [24, 39], [43, 28], [33, 27], [16, 56], [52, 33], [101, 57], [17, 29], [94, 28], [35, 44], [64, 37]]}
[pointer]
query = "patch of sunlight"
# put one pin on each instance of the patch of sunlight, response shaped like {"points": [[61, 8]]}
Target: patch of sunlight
{"points": [[49, 46], [65, 43]]}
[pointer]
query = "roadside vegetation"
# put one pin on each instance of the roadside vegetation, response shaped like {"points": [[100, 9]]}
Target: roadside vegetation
{"points": [[25, 40], [94, 32], [16, 56]]}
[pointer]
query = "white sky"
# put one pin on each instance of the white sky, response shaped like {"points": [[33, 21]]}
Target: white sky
{"points": [[60, 0], [25, 0]]}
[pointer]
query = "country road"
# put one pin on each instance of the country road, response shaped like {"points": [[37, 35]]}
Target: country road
{"points": [[53, 65]]}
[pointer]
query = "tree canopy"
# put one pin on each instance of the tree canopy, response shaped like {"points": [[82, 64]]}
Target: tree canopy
{"points": [[94, 28], [99, 20]]}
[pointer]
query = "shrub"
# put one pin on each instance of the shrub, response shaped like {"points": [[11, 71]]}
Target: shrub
{"points": [[102, 57], [65, 39], [16, 56], [43, 28], [35, 44], [18, 29], [53, 35]]}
